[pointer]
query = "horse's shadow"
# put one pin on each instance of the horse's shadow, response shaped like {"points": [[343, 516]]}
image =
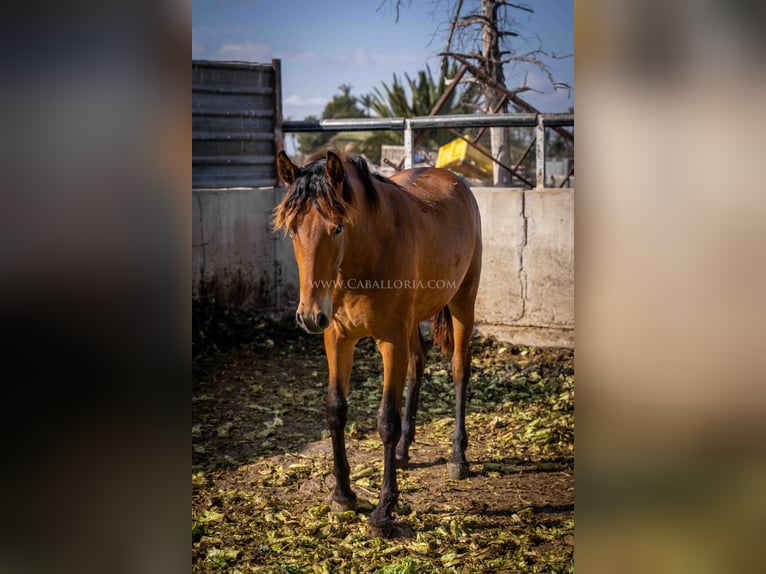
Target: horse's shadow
{"points": [[477, 467]]}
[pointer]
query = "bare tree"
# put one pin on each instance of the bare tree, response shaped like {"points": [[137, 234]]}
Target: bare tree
{"points": [[482, 33]]}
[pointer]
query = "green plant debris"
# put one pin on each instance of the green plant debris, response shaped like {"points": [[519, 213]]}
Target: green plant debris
{"points": [[262, 466]]}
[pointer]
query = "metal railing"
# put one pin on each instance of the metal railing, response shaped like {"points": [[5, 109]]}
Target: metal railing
{"points": [[409, 125]]}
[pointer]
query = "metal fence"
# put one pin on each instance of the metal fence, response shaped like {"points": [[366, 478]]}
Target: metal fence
{"points": [[537, 121]]}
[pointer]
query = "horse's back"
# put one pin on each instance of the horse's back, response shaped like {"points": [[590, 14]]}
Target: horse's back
{"points": [[438, 190]]}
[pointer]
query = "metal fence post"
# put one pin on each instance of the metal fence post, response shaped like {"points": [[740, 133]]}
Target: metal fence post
{"points": [[408, 150], [540, 153]]}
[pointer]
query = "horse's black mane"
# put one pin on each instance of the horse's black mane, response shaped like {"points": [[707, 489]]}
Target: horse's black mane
{"points": [[383, 178], [370, 193], [313, 187]]}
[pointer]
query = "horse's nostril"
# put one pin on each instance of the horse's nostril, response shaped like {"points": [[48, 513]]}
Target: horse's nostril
{"points": [[323, 321]]}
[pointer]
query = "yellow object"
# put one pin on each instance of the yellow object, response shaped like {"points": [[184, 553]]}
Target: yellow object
{"points": [[458, 155]]}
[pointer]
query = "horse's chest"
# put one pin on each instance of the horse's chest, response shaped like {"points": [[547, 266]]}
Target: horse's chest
{"points": [[365, 315]]}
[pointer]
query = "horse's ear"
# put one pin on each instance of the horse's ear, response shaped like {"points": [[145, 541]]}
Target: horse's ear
{"points": [[288, 171], [334, 167]]}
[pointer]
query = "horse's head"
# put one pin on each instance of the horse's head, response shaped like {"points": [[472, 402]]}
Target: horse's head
{"points": [[313, 213]]}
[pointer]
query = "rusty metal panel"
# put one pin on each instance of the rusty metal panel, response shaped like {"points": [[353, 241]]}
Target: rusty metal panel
{"points": [[234, 121]]}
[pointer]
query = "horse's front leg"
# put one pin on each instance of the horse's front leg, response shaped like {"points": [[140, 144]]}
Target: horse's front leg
{"points": [[340, 357], [395, 358]]}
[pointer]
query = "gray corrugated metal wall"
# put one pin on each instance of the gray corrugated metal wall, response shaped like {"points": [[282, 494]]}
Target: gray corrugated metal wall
{"points": [[236, 123], [236, 130]]}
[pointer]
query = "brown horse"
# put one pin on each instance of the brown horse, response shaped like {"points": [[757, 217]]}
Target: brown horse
{"points": [[375, 257]]}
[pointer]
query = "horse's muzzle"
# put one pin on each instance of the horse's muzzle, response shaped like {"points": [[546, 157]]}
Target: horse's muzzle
{"points": [[313, 323]]}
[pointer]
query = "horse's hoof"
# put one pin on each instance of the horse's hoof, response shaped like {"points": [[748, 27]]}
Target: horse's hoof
{"points": [[380, 523], [382, 530], [457, 470], [390, 528], [402, 462], [343, 505]]}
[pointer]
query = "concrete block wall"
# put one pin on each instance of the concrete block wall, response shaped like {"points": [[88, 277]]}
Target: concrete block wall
{"points": [[526, 293], [236, 259]]}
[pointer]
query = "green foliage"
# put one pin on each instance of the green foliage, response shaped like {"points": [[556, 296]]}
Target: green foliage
{"points": [[406, 566], [310, 141], [342, 105], [424, 92], [407, 97], [270, 511], [417, 97]]}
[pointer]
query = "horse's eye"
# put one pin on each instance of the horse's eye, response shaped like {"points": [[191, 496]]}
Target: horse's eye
{"points": [[338, 229]]}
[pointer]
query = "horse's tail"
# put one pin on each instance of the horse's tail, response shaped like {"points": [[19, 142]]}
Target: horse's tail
{"points": [[441, 329]]}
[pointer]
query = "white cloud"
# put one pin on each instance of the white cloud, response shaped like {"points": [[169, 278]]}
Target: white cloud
{"points": [[197, 50], [543, 95], [551, 102], [537, 81], [297, 107], [246, 51], [300, 101], [360, 57]]}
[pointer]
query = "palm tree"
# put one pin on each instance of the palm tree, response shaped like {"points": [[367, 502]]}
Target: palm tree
{"points": [[366, 101], [424, 92], [410, 97], [342, 105]]}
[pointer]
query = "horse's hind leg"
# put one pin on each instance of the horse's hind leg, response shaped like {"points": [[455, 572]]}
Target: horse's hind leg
{"points": [[414, 377], [457, 467], [462, 309]]}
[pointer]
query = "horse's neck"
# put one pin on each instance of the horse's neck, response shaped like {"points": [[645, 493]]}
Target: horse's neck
{"points": [[360, 248], [368, 236]]}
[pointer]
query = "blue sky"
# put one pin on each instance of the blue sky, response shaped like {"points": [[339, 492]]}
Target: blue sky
{"points": [[326, 43]]}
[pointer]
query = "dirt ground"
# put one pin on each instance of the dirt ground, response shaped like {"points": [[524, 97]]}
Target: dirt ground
{"points": [[262, 460]]}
